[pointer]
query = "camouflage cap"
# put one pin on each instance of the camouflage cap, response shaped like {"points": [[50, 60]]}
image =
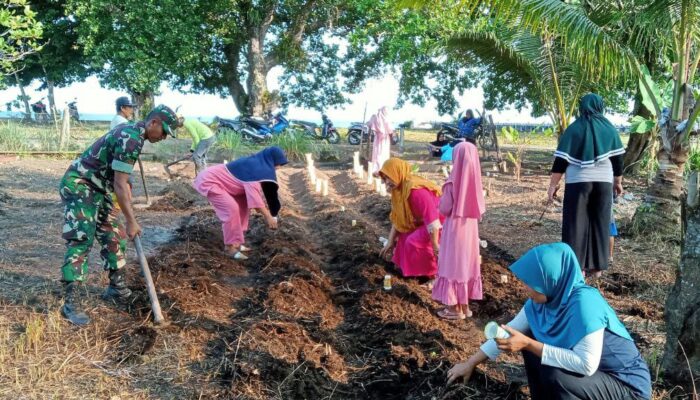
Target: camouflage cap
{"points": [[167, 116]]}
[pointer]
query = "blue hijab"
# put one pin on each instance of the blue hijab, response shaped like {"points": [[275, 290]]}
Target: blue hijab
{"points": [[258, 167], [573, 309]]}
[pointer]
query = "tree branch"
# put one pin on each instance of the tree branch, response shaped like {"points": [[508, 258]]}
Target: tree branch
{"points": [[295, 33]]}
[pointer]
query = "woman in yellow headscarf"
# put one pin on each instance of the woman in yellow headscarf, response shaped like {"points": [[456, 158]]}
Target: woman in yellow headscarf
{"points": [[415, 220]]}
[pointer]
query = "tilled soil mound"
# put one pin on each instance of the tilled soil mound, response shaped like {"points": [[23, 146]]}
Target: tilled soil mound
{"points": [[178, 195], [306, 316]]}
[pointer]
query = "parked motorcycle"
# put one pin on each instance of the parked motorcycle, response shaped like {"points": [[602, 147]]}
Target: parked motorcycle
{"points": [[256, 129], [325, 132], [40, 114], [359, 132], [73, 110], [228, 125]]}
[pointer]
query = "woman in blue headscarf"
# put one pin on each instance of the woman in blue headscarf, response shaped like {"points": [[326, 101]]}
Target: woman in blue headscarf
{"points": [[235, 188], [573, 344]]}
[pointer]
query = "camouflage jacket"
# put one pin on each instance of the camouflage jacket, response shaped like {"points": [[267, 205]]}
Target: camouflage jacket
{"points": [[117, 150]]}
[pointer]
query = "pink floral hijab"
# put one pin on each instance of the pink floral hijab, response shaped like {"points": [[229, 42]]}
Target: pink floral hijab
{"points": [[465, 178]]}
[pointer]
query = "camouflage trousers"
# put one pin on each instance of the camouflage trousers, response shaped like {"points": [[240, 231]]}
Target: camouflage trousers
{"points": [[89, 213]]}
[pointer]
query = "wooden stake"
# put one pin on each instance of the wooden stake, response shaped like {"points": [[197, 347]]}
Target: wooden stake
{"points": [[325, 187]]}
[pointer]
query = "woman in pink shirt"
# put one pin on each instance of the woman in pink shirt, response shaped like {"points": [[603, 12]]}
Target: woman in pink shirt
{"points": [[462, 203], [235, 188]]}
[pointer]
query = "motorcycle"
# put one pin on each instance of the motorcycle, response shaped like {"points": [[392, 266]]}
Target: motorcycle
{"points": [[327, 130], [255, 129], [359, 132], [484, 139], [228, 125], [73, 110], [40, 114]]}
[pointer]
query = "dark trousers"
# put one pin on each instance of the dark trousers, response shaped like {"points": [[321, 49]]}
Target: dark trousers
{"points": [[586, 222], [551, 383]]}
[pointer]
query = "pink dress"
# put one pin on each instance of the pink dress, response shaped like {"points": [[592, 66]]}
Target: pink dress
{"points": [[231, 198], [414, 251], [459, 272]]}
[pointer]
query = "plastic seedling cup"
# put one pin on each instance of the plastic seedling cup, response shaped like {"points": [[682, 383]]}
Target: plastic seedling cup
{"points": [[494, 331]]}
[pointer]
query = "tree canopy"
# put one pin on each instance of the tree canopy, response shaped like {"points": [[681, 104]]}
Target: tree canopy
{"points": [[19, 34]]}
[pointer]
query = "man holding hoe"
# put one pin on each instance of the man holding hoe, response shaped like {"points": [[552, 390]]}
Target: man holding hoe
{"points": [[86, 190]]}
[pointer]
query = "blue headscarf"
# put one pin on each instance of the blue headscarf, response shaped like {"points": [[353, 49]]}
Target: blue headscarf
{"points": [[573, 309], [258, 167]]}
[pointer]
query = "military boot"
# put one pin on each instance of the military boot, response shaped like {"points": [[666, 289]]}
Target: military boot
{"points": [[117, 289], [72, 309]]}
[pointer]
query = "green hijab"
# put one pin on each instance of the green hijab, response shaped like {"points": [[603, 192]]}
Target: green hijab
{"points": [[591, 138]]}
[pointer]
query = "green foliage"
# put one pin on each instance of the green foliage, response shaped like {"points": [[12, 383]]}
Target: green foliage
{"points": [[639, 124], [136, 45], [693, 163], [242, 41], [19, 34], [295, 146], [511, 134], [231, 143], [60, 59]]}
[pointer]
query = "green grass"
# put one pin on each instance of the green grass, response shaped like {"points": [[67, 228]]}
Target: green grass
{"points": [[24, 138], [231, 145]]}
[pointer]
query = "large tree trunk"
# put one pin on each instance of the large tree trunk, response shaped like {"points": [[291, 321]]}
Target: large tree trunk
{"points": [[52, 99], [683, 303], [144, 103], [25, 99], [636, 147], [257, 79], [233, 79], [639, 142], [659, 214]]}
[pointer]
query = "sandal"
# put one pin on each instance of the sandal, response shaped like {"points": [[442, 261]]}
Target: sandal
{"points": [[447, 314], [238, 256], [243, 248]]}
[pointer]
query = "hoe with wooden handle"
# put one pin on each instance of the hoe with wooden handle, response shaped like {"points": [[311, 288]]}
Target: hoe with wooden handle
{"points": [[155, 305]]}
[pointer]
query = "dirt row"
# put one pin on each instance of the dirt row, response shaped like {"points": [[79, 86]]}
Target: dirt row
{"points": [[306, 316]]}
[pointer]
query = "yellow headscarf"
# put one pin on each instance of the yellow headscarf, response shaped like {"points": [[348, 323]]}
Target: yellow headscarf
{"points": [[399, 171]]}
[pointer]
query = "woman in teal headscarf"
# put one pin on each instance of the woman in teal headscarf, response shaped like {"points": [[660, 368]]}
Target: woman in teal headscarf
{"points": [[573, 344], [590, 155]]}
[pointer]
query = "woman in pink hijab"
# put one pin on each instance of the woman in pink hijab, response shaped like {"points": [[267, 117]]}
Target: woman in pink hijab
{"points": [[462, 203], [381, 126]]}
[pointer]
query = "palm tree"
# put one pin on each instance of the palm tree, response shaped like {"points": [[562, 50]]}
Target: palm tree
{"points": [[537, 61], [606, 48]]}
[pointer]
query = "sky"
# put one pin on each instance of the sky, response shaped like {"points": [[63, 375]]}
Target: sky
{"points": [[92, 98]]}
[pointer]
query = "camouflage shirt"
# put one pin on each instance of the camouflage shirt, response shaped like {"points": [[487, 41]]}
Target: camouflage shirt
{"points": [[117, 150]]}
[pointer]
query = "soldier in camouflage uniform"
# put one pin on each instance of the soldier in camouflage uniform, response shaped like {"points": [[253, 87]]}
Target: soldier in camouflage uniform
{"points": [[86, 190]]}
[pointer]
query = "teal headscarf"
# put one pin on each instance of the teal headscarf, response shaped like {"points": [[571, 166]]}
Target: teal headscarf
{"points": [[573, 309], [591, 138]]}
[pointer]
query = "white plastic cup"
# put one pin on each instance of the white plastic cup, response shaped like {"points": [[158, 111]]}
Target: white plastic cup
{"points": [[387, 282], [353, 222], [494, 331]]}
